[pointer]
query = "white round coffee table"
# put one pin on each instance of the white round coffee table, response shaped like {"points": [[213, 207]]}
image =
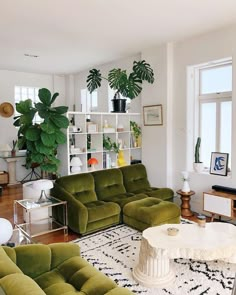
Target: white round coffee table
{"points": [[216, 241]]}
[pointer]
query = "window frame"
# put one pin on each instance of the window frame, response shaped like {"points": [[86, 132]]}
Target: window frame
{"points": [[34, 100], [217, 98]]}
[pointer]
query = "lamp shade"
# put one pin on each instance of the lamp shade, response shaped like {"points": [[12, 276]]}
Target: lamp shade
{"points": [[75, 162], [92, 161], [42, 184], [6, 230]]}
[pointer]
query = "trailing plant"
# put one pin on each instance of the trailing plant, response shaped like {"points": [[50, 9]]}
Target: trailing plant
{"points": [[136, 129], [41, 139], [127, 85], [109, 145], [197, 150]]}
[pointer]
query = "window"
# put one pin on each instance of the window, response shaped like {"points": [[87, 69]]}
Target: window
{"points": [[23, 93], [89, 101], [215, 110]]}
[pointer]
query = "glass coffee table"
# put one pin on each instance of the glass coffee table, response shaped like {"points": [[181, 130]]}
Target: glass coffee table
{"points": [[31, 226]]}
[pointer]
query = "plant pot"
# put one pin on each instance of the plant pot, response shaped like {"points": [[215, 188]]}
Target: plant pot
{"points": [[198, 167], [119, 105]]}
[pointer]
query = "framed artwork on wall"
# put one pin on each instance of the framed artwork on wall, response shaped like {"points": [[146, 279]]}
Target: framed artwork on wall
{"points": [[152, 115], [219, 163]]}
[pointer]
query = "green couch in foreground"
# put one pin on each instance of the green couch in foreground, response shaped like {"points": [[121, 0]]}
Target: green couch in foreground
{"points": [[97, 200], [54, 269]]}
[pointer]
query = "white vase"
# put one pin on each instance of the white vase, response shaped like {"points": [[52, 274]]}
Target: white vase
{"points": [[198, 167], [186, 187]]}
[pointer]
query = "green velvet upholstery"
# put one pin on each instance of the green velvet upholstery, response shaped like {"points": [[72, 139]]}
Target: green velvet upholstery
{"points": [[109, 187], [85, 212], [96, 200], [54, 269], [136, 181], [149, 212]]}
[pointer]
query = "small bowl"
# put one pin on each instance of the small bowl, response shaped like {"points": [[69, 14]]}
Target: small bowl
{"points": [[172, 231]]}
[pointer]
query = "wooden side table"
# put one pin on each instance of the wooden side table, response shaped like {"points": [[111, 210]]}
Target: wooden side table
{"points": [[185, 206]]}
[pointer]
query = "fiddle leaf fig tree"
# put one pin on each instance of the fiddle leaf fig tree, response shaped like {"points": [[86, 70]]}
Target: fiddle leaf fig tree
{"points": [[127, 85], [41, 139]]}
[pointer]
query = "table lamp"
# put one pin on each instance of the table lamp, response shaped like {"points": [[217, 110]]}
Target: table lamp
{"points": [[92, 162], [75, 164], [42, 184], [6, 230]]}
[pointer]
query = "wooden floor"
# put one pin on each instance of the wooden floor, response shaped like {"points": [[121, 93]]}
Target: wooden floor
{"points": [[12, 193]]}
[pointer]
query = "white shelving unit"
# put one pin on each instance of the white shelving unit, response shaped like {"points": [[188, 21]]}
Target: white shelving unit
{"points": [[85, 127]]}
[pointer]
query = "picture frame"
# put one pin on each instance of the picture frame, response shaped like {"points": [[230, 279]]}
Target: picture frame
{"points": [[152, 115], [219, 163]]}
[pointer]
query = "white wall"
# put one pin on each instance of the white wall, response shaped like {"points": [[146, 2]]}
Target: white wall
{"points": [[8, 80], [155, 153], [209, 47]]}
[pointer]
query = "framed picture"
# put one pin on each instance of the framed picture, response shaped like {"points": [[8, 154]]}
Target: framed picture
{"points": [[219, 164], [152, 115]]}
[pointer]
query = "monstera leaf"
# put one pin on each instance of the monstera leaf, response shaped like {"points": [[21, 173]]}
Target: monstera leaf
{"points": [[119, 80], [144, 71], [94, 80]]}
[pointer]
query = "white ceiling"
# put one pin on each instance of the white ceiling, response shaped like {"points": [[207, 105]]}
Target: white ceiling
{"points": [[73, 35]]}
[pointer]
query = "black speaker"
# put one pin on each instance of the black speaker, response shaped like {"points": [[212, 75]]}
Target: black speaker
{"points": [[224, 189]]}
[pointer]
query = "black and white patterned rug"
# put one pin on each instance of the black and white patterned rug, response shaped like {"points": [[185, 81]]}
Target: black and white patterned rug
{"points": [[115, 252]]}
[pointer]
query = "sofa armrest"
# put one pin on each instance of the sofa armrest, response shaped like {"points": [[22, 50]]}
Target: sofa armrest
{"points": [[19, 284], [77, 212]]}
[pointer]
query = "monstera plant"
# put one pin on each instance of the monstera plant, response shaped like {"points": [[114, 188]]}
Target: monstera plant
{"points": [[41, 139], [127, 85]]}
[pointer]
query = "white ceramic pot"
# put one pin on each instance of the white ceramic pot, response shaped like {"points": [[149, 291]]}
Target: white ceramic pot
{"points": [[198, 167]]}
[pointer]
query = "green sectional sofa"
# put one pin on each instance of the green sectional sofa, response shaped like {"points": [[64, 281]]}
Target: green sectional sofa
{"points": [[98, 199], [54, 269]]}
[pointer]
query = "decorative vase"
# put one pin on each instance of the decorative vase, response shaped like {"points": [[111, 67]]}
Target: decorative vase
{"points": [[198, 167], [120, 159], [186, 187]]}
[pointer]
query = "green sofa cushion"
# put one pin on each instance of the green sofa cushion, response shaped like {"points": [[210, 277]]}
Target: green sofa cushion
{"points": [[124, 199], [34, 259], [99, 210], [135, 178], [20, 284], [59, 255], [150, 212], [108, 183], [81, 186], [136, 181], [7, 266]]}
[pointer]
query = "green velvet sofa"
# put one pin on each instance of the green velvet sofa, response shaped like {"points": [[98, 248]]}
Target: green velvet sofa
{"points": [[96, 200], [54, 269]]}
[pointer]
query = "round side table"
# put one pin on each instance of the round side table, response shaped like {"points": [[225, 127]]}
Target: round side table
{"points": [[185, 206]]}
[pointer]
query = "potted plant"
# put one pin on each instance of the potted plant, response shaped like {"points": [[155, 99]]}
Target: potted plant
{"points": [[41, 139], [198, 165], [126, 85], [13, 150], [109, 145], [136, 132]]}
